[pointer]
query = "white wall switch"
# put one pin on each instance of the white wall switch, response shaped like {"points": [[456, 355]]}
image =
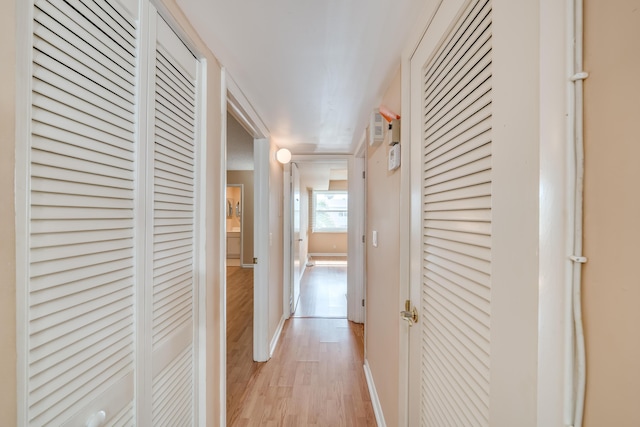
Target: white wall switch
{"points": [[374, 239]]}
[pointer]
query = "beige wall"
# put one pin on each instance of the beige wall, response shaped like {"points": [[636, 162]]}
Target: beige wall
{"points": [[7, 219], [382, 270], [245, 178], [341, 185], [327, 243], [611, 285]]}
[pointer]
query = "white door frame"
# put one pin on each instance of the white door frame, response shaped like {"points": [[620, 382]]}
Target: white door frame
{"points": [[287, 254], [289, 301], [553, 158], [355, 253], [237, 104]]}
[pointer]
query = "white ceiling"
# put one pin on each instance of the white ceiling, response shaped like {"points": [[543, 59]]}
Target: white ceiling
{"points": [[312, 69], [317, 174]]}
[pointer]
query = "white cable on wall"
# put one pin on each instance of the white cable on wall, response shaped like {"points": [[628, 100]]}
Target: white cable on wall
{"points": [[577, 356]]}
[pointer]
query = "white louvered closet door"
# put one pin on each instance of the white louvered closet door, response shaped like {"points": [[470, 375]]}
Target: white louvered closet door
{"points": [[456, 216], [79, 297], [172, 283], [109, 221]]}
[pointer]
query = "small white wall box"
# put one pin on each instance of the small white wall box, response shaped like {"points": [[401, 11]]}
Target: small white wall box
{"points": [[394, 132], [394, 157], [376, 128]]}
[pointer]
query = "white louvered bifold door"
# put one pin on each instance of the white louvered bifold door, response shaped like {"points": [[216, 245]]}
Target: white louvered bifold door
{"points": [[79, 301], [173, 231], [457, 225]]}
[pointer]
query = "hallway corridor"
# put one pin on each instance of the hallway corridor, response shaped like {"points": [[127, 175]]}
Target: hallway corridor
{"points": [[315, 377]]}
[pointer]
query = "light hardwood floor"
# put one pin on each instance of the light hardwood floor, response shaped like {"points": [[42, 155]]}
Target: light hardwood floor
{"points": [[315, 377], [323, 289]]}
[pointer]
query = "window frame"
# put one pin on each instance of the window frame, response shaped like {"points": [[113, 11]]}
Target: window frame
{"points": [[314, 199]]}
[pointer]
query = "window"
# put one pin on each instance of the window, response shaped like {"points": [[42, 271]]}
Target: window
{"points": [[329, 212]]}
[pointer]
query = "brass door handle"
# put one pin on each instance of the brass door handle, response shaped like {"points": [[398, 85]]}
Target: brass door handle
{"points": [[410, 315]]}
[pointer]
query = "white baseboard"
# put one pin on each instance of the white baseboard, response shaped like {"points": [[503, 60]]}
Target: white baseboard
{"points": [[375, 401], [247, 265], [276, 336], [328, 254]]}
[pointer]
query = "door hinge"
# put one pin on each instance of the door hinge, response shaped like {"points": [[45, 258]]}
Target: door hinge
{"points": [[363, 302], [255, 260], [363, 238], [363, 174]]}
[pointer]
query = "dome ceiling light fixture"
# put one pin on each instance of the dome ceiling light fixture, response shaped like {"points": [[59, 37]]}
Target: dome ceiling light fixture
{"points": [[283, 155]]}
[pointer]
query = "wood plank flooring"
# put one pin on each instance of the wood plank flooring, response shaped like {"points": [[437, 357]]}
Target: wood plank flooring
{"points": [[323, 289], [315, 377], [240, 364]]}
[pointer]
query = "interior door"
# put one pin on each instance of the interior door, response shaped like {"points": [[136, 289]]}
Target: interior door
{"points": [[449, 373], [171, 280], [109, 230], [77, 295], [295, 236]]}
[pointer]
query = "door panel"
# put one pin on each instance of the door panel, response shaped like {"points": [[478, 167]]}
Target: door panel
{"points": [[80, 321], [109, 220], [173, 155], [451, 129], [296, 236]]}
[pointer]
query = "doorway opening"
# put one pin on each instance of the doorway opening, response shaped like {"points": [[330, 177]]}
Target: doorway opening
{"points": [[319, 235], [239, 212]]}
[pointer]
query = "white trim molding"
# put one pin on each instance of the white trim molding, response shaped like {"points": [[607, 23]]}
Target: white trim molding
{"points": [[373, 394], [276, 336], [327, 254]]}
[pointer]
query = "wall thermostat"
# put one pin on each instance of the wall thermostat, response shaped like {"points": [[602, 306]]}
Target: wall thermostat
{"points": [[394, 157]]}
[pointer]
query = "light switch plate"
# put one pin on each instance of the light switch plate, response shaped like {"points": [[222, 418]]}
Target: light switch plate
{"points": [[374, 239]]}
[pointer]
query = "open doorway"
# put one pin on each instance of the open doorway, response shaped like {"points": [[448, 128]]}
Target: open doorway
{"points": [[239, 212], [320, 238], [317, 173]]}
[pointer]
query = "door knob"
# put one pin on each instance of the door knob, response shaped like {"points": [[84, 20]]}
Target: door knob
{"points": [[410, 315]]}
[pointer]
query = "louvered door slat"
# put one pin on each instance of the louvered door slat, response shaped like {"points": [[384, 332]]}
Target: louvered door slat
{"points": [[474, 251], [465, 284], [83, 155], [46, 67], [470, 139], [172, 392], [114, 148], [103, 51], [450, 53], [460, 110], [49, 102], [481, 177], [169, 141], [471, 46], [76, 189], [107, 19], [81, 274], [172, 316], [123, 418], [171, 189], [479, 126], [168, 152], [456, 288], [468, 192], [68, 166]]}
